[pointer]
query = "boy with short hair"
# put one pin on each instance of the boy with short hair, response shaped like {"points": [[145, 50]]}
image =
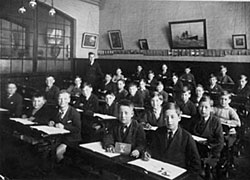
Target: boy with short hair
{"points": [[121, 92], [227, 116], [126, 130], [173, 144], [134, 96]]}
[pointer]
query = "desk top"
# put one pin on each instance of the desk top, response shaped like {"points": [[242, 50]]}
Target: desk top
{"points": [[128, 167]]}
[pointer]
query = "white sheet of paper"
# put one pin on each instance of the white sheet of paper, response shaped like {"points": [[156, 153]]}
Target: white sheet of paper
{"points": [[79, 110], [160, 168], [199, 139], [152, 128], [139, 108], [185, 116], [3, 110], [23, 121], [97, 147], [27, 99], [50, 130], [104, 116]]}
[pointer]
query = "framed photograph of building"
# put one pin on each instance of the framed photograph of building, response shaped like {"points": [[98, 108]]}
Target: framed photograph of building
{"points": [[115, 39], [143, 44], [239, 41], [89, 40], [188, 34]]}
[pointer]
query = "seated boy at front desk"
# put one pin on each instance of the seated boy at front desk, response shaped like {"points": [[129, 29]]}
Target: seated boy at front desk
{"points": [[208, 126], [13, 101], [66, 118], [172, 144], [126, 130], [40, 111]]}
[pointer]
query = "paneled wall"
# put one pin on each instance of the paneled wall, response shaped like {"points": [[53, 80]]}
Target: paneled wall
{"points": [[139, 19]]}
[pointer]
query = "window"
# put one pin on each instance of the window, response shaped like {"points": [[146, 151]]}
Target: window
{"points": [[34, 41]]}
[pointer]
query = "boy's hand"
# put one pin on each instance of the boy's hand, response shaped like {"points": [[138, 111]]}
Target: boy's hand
{"points": [[146, 156], [51, 123], [60, 126], [135, 153], [110, 149], [31, 118]]}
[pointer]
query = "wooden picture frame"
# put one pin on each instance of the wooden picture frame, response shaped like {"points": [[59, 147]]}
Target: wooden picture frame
{"points": [[89, 40], [239, 41], [143, 44], [188, 34], [115, 39]]}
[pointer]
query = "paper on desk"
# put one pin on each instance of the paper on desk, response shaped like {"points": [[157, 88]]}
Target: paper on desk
{"points": [[104, 116], [151, 128], [185, 116], [23, 121], [79, 110], [97, 147], [199, 139], [50, 130], [160, 168], [139, 108], [3, 110]]}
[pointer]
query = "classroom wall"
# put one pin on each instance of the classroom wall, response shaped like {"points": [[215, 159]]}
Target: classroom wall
{"points": [[139, 19], [87, 20]]}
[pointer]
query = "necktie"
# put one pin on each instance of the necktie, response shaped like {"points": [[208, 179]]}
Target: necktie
{"points": [[123, 131], [169, 138]]}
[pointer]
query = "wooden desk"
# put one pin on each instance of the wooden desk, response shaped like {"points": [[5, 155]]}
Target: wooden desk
{"points": [[119, 167]]}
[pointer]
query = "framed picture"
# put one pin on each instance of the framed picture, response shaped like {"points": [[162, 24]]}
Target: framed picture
{"points": [[239, 41], [55, 36], [115, 39], [188, 34], [89, 40], [143, 44]]}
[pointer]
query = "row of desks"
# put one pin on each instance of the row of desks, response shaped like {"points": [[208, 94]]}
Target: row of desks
{"points": [[119, 165]]}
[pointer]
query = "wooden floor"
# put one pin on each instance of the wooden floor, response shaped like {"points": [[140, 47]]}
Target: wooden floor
{"points": [[18, 161]]}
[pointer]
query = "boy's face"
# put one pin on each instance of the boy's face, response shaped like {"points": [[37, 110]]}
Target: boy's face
{"points": [[151, 76], [175, 79], [108, 78], [187, 70], [159, 88], [120, 85], [50, 81], [142, 84], [205, 109], [38, 102], [78, 81], [156, 102], [132, 90], [164, 67], [91, 58], [199, 91], [185, 96], [63, 100], [171, 119], [139, 68], [213, 80], [125, 114], [243, 82], [11, 89], [109, 99], [224, 100], [223, 71], [86, 91], [118, 71]]}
